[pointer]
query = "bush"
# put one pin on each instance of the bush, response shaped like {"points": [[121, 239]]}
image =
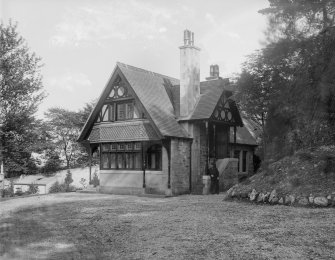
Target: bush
{"points": [[57, 187], [9, 192], [68, 179], [95, 180], [52, 165], [33, 188]]}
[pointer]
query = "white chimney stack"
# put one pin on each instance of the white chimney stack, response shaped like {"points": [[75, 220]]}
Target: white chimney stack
{"points": [[189, 74]]}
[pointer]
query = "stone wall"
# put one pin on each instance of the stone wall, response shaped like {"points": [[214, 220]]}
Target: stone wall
{"points": [[180, 166]]}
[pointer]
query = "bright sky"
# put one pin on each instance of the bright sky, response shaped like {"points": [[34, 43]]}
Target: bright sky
{"points": [[80, 41]]}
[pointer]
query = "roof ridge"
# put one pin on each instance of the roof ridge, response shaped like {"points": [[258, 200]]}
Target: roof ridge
{"points": [[144, 70]]}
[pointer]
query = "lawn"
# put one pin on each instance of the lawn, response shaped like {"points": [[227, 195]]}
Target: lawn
{"points": [[95, 226]]}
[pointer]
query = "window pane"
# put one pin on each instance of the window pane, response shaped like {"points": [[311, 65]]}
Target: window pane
{"points": [[152, 161], [121, 111], [104, 160], [137, 161], [244, 161], [130, 111], [138, 146], [111, 112], [105, 113], [120, 161], [120, 147], [129, 161], [129, 146], [113, 147], [113, 161]]}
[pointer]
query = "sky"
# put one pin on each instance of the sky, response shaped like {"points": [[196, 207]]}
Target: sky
{"points": [[80, 41]]}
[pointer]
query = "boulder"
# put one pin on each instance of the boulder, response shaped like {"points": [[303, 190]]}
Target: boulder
{"points": [[260, 197], [311, 199], [230, 191], [233, 193], [303, 201], [266, 197], [321, 201], [329, 197], [244, 194], [292, 199], [281, 200], [273, 196], [274, 200], [253, 195], [289, 199]]}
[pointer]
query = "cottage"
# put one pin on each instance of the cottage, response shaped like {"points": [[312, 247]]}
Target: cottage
{"points": [[157, 134]]}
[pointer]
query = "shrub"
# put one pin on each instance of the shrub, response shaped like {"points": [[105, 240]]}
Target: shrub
{"points": [[52, 165], [57, 187], [95, 180], [83, 182], [68, 179], [33, 188]]}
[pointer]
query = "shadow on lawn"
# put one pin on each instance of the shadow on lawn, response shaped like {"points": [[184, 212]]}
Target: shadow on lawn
{"points": [[62, 231], [31, 234]]}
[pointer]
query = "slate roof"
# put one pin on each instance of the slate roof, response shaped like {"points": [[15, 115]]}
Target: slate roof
{"points": [[123, 132], [246, 135], [151, 88], [209, 97]]}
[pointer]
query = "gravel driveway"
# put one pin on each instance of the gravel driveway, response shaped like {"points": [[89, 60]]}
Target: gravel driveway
{"points": [[96, 226]]}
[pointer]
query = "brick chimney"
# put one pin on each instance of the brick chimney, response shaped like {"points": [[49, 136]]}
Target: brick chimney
{"points": [[214, 72], [189, 74]]}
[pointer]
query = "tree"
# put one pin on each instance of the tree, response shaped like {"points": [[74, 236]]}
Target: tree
{"points": [[64, 128], [21, 92], [291, 80]]}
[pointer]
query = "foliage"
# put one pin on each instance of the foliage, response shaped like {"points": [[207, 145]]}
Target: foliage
{"points": [[52, 164], [20, 94], [83, 182], [9, 191], [33, 188], [64, 127], [57, 187], [95, 180], [68, 179], [289, 84]]}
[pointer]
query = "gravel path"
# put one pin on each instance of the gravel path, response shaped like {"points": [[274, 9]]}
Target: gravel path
{"points": [[95, 226]]}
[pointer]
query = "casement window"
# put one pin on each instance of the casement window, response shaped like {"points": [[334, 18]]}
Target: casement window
{"points": [[118, 112], [128, 155]]}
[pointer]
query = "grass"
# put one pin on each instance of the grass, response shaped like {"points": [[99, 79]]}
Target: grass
{"points": [[85, 226]]}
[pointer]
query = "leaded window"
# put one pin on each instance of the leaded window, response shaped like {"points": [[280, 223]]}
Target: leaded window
{"points": [[128, 155]]}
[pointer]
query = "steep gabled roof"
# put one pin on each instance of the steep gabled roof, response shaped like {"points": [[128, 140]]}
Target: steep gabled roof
{"points": [[248, 134], [153, 90], [210, 93]]}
